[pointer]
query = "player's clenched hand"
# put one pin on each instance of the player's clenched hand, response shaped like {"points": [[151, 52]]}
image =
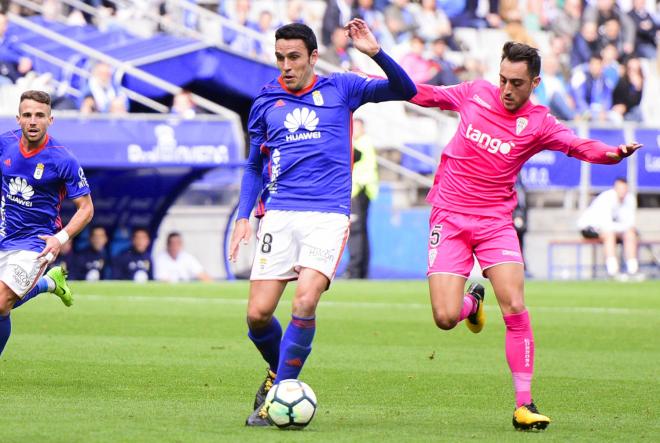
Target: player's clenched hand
{"points": [[625, 150], [363, 39], [242, 231], [52, 248]]}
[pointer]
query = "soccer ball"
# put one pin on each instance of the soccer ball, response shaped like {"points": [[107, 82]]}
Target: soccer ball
{"points": [[291, 404]]}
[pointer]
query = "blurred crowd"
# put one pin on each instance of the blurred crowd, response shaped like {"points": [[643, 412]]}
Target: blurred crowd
{"points": [[594, 52]]}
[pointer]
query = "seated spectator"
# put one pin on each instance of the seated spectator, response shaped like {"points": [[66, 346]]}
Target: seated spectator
{"points": [[585, 44], [611, 217], [13, 63], [135, 263], [567, 22], [591, 91], [101, 94], [470, 16], [600, 11], [336, 14], [610, 34], [176, 265], [92, 263], [337, 53], [433, 22], [375, 19], [627, 94], [647, 30], [446, 69], [183, 105], [400, 20], [419, 68], [239, 42], [553, 91]]}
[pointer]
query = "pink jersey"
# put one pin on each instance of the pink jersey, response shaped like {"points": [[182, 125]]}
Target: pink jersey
{"points": [[478, 167]]}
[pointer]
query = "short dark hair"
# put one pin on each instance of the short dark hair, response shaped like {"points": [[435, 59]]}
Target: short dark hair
{"points": [[140, 229], [298, 31], [96, 227], [520, 52], [171, 235], [37, 96]]}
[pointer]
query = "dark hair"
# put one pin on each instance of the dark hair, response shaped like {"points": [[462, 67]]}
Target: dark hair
{"points": [[37, 96], [140, 229], [171, 235], [621, 179], [298, 31], [95, 227], [520, 52]]}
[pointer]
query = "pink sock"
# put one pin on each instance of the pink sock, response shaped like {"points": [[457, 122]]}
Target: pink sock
{"points": [[519, 345], [469, 306]]}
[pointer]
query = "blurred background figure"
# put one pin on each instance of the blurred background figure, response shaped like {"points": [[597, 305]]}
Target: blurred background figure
{"points": [[93, 262], [365, 189], [627, 95], [13, 63], [611, 218], [176, 265], [592, 93], [337, 53], [183, 105], [135, 263], [101, 94]]}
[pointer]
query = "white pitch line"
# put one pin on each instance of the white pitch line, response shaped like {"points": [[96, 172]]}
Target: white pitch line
{"points": [[374, 305]]}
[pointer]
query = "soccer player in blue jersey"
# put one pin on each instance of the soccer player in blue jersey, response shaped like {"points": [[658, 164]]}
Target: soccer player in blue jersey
{"points": [[37, 173], [301, 123]]}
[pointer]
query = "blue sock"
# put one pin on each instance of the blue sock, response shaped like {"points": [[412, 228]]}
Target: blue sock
{"points": [[5, 331], [296, 346], [41, 286], [267, 341]]}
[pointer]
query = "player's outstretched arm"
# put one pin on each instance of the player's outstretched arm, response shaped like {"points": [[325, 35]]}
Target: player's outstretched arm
{"points": [[623, 151], [399, 86], [82, 216]]}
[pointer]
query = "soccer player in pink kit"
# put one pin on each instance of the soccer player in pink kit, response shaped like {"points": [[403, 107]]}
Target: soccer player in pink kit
{"points": [[473, 197]]}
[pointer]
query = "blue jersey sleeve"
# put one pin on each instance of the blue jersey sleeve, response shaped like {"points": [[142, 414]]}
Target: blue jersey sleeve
{"points": [[361, 89], [252, 181], [74, 178]]}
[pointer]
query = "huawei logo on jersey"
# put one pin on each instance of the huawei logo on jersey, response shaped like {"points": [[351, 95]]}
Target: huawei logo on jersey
{"points": [[488, 142], [302, 117], [20, 191]]}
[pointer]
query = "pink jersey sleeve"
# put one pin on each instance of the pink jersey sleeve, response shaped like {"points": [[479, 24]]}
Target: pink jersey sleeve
{"points": [[558, 137], [448, 98]]}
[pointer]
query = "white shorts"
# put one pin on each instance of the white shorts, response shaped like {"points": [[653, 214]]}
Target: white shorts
{"points": [[20, 270], [288, 241]]}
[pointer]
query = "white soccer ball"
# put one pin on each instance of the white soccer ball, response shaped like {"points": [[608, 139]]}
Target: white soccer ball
{"points": [[291, 404]]}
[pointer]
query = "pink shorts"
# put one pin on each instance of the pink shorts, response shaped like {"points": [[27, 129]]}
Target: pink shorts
{"points": [[455, 237]]}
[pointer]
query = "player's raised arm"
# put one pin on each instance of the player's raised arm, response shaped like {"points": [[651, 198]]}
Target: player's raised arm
{"points": [[399, 85]]}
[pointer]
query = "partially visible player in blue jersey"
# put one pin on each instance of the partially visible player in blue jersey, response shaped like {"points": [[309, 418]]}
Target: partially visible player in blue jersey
{"points": [[301, 123], [37, 173]]}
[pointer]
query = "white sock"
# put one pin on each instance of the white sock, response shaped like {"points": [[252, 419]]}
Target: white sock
{"points": [[632, 266], [612, 266], [51, 283]]}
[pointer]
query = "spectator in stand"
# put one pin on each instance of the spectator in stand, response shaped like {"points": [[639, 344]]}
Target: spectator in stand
{"points": [[600, 11], [93, 262], [611, 66], [419, 68], [433, 22], [647, 30], [553, 90], [627, 95], [585, 44], [592, 93], [337, 53], [471, 19], [611, 218], [13, 63], [337, 13], [239, 42], [446, 69], [295, 12], [567, 22], [560, 49], [101, 93], [183, 105], [176, 265], [400, 20], [135, 263], [610, 34]]}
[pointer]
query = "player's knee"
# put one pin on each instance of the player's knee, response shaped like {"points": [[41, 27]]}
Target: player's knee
{"points": [[445, 321], [304, 304], [513, 307], [258, 318]]}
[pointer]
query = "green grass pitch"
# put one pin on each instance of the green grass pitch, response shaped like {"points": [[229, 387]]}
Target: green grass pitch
{"points": [[166, 363]]}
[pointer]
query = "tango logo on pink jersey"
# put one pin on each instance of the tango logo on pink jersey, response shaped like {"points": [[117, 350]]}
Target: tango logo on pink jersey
{"points": [[488, 142]]}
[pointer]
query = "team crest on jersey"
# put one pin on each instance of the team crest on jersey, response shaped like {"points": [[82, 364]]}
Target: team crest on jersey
{"points": [[318, 98], [38, 171], [521, 124]]}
